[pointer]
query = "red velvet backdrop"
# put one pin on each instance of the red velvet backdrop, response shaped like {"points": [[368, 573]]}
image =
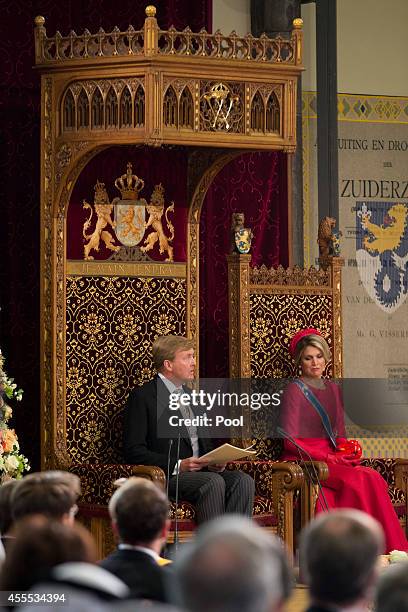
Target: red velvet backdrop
{"points": [[19, 171], [255, 184]]}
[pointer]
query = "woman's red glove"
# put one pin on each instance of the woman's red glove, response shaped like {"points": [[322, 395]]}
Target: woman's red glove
{"points": [[342, 459]]}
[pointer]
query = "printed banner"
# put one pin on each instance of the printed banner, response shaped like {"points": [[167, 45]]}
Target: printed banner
{"points": [[373, 211]]}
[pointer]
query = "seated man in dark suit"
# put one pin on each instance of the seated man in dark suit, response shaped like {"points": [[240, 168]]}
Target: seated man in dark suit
{"points": [[212, 489], [139, 514]]}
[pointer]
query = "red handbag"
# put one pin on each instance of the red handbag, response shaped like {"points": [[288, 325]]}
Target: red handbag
{"points": [[350, 447]]}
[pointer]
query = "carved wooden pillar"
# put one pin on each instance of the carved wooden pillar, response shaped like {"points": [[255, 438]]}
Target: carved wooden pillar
{"points": [[336, 265], [238, 301]]}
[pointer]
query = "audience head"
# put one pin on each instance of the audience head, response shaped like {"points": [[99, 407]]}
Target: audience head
{"points": [[39, 546], [6, 519], [233, 566], [392, 589], [53, 494], [339, 553], [139, 511]]}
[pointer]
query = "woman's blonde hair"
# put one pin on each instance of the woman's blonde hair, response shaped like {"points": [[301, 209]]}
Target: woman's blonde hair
{"points": [[313, 340], [166, 347]]}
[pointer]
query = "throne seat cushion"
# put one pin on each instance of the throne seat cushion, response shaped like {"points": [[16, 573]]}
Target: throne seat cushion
{"points": [[398, 501], [263, 513], [186, 518]]}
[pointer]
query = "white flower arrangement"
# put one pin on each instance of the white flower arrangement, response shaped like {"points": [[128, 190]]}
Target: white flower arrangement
{"points": [[397, 556], [12, 463]]}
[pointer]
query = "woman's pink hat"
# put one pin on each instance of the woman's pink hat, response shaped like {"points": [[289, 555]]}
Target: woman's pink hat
{"points": [[299, 335]]}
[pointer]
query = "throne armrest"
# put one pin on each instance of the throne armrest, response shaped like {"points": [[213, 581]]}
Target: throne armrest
{"points": [[401, 474], [316, 468], [290, 474], [278, 481], [152, 472], [97, 479]]}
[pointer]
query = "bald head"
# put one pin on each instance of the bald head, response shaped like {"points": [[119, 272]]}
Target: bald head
{"points": [[339, 552]]}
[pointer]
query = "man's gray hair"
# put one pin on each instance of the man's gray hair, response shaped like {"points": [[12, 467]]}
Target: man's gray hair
{"points": [[339, 552], [233, 566]]}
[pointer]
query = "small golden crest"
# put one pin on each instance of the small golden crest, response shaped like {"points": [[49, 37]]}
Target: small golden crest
{"points": [[129, 225], [241, 236]]}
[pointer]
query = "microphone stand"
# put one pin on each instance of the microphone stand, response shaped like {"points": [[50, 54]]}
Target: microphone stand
{"points": [[165, 550], [168, 466], [177, 494], [301, 450]]}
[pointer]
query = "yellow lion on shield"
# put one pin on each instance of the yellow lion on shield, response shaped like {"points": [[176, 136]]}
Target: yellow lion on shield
{"points": [[389, 235]]}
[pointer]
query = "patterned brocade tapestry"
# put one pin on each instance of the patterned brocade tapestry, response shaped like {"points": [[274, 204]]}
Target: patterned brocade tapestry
{"points": [[111, 324], [275, 316], [274, 319]]}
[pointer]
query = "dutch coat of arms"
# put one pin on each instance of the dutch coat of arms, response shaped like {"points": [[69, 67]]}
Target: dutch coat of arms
{"points": [[129, 224], [382, 252]]}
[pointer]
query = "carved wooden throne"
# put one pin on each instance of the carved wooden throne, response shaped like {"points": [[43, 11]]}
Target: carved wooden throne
{"points": [[267, 307], [154, 87]]}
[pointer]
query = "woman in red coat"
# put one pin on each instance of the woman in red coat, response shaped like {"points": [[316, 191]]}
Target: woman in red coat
{"points": [[313, 414]]}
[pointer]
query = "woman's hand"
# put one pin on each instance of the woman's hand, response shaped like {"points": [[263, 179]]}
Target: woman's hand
{"points": [[344, 459]]}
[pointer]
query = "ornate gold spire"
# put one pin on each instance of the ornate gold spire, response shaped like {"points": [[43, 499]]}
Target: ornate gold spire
{"points": [[150, 11]]}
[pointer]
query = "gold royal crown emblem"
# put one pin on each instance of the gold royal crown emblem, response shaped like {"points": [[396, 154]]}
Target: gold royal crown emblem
{"points": [[157, 197], [101, 195], [129, 184]]}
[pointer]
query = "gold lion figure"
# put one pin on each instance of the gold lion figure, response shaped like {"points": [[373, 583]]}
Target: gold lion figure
{"points": [[237, 223], [155, 210], [245, 234], [103, 211], [325, 236]]}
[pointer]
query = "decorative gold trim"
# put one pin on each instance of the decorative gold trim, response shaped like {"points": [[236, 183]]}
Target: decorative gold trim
{"points": [[289, 276], [336, 265], [115, 268], [80, 65], [289, 290], [46, 275], [239, 292], [131, 45]]}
